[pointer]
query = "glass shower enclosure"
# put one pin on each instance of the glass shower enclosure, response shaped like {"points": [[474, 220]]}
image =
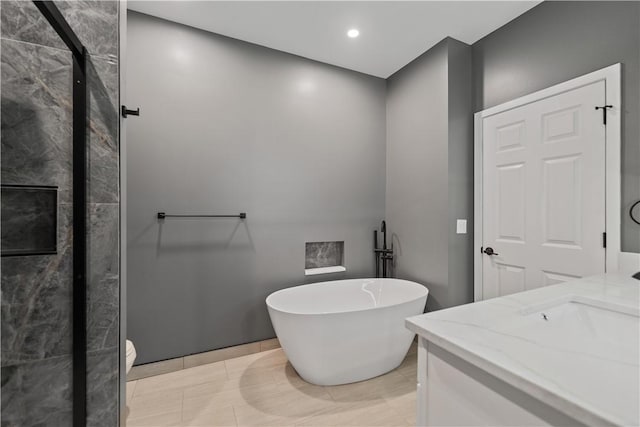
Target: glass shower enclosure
{"points": [[44, 219]]}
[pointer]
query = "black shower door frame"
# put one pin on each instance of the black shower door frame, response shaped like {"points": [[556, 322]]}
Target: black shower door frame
{"points": [[52, 14]]}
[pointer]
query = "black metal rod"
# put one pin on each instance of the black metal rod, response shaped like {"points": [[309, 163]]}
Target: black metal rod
{"points": [[79, 240], [376, 253], [383, 230], [162, 215], [383, 259], [52, 14], [79, 153]]}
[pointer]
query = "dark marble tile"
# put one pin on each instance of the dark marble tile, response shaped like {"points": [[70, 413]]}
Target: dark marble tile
{"points": [[103, 290], [103, 163], [37, 393], [94, 22], [102, 313], [102, 388], [21, 20], [36, 308], [29, 220], [323, 254], [36, 146], [37, 124], [103, 240]]}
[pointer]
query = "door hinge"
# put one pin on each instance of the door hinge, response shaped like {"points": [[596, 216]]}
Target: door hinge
{"points": [[604, 240], [604, 109]]}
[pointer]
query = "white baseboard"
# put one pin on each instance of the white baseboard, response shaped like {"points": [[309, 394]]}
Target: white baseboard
{"points": [[193, 360]]}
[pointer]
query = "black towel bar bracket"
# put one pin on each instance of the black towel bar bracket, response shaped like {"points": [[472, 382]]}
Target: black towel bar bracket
{"points": [[241, 215]]}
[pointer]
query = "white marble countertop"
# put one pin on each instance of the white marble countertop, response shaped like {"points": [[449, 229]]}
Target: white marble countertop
{"points": [[583, 360]]}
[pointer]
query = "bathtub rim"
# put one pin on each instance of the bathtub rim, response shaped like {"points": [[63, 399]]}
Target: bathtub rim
{"points": [[328, 313]]}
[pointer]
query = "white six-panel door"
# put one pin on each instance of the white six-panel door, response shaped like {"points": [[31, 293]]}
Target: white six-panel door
{"points": [[543, 192]]}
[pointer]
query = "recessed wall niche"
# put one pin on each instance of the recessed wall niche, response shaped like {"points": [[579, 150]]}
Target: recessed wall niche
{"points": [[29, 220], [323, 254]]}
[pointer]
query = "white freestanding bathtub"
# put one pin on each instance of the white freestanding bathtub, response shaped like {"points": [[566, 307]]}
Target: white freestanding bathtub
{"points": [[345, 331]]}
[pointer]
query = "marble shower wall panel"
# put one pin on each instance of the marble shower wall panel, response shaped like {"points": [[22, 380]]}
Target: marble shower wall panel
{"points": [[103, 293], [95, 23], [37, 393], [36, 311], [103, 166], [36, 116], [323, 254], [36, 149], [36, 301], [102, 384], [102, 296], [22, 21]]}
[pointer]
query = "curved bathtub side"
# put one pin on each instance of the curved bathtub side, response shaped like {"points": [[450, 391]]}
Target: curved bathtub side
{"points": [[354, 295], [341, 348]]}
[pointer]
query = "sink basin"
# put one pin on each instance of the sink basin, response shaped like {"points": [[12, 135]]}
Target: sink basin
{"points": [[583, 325], [591, 346]]}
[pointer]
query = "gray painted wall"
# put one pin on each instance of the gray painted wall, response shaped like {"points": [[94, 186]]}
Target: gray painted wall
{"points": [[430, 173], [36, 148], [460, 162], [225, 127], [555, 42], [229, 99]]}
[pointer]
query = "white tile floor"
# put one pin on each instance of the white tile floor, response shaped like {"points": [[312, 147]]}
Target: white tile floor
{"points": [[263, 389]]}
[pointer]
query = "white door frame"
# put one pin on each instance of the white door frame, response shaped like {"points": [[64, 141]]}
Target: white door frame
{"points": [[611, 76], [122, 69]]}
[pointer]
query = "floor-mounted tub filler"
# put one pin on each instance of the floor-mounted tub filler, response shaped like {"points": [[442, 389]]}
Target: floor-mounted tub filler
{"points": [[345, 331]]}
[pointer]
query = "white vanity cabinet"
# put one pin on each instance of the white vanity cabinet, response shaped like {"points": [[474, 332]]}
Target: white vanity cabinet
{"points": [[453, 392], [566, 354]]}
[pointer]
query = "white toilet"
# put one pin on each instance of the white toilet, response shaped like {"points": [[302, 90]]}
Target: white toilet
{"points": [[130, 356]]}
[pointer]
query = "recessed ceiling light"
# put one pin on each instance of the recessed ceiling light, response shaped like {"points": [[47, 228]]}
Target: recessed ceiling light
{"points": [[353, 33]]}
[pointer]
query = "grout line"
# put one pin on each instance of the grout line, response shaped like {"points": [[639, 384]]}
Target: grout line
{"points": [[226, 369], [182, 408], [108, 57], [235, 417], [326, 389], [133, 391], [413, 377], [59, 49]]}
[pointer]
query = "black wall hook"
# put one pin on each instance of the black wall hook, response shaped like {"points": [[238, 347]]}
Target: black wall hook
{"points": [[126, 112]]}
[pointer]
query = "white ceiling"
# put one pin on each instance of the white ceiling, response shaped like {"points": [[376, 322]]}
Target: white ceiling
{"points": [[392, 33]]}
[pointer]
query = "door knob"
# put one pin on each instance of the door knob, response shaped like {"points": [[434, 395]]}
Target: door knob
{"points": [[489, 251]]}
